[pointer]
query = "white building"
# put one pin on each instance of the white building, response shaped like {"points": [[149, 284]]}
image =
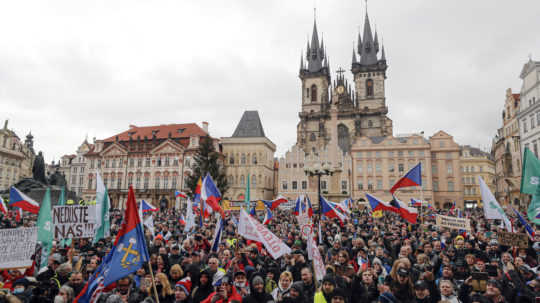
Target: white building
{"points": [[529, 112]]}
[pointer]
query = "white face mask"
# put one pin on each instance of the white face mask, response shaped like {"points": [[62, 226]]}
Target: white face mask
{"points": [[59, 299]]}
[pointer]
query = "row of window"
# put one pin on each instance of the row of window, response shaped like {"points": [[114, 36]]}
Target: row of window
{"points": [[118, 163], [534, 147], [8, 175], [470, 191], [449, 169], [378, 167], [242, 180], [390, 154], [379, 184], [534, 120], [243, 159], [472, 169], [165, 182], [436, 185]]}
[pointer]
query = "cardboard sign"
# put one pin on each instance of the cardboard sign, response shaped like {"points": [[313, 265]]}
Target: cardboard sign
{"points": [[17, 245], [453, 222], [74, 221], [513, 239]]}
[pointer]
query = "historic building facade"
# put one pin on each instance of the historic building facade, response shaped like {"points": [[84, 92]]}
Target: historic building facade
{"points": [[345, 127], [506, 152], [529, 113], [16, 157], [476, 163], [154, 159], [248, 152]]}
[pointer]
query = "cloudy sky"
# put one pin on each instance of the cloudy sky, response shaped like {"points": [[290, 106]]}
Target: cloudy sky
{"points": [[74, 68]]}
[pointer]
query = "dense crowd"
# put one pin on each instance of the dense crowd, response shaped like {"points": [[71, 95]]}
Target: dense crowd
{"points": [[367, 260]]}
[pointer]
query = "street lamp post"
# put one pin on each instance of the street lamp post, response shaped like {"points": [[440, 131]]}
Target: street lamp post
{"points": [[317, 170]]}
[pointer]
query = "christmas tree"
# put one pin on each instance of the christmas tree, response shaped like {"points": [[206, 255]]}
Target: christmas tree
{"points": [[207, 159]]}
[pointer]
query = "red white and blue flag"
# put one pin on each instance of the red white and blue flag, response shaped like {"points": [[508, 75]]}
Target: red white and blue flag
{"points": [[452, 208], [3, 207], [530, 231], [217, 235], [211, 195], [253, 211], [363, 264], [268, 216], [408, 213], [377, 204], [19, 199], [412, 178], [416, 203], [19, 214], [273, 204], [180, 194], [128, 254], [328, 210], [147, 207], [181, 220]]}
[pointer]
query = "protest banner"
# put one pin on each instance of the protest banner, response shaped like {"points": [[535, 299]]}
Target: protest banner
{"points": [[17, 245], [453, 222], [513, 239], [74, 221], [251, 229]]}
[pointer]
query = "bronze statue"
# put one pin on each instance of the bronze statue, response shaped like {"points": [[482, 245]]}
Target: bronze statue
{"points": [[38, 171]]}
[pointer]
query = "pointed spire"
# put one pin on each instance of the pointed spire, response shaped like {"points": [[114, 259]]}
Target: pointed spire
{"points": [[359, 43], [307, 50], [369, 55], [301, 61], [353, 56], [383, 54], [316, 52], [376, 43]]}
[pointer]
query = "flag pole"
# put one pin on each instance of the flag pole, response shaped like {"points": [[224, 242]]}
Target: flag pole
{"points": [[421, 204], [153, 282]]}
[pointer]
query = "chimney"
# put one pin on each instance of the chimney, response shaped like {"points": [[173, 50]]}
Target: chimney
{"points": [[205, 126]]}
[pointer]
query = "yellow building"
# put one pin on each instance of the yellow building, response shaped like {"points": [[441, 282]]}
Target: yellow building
{"points": [[16, 157], [248, 152], [475, 163]]}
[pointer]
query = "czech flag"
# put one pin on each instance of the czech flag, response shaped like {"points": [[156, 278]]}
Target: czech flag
{"points": [[181, 220], [342, 207], [416, 203], [273, 204], [268, 216], [253, 211], [408, 213], [3, 207], [18, 199], [377, 204], [180, 194], [412, 178], [453, 208], [210, 194], [528, 228], [146, 207], [330, 211], [217, 236], [363, 263], [298, 207]]}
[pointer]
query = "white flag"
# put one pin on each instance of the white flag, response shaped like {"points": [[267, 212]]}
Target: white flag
{"points": [[492, 208], [149, 223], [190, 217], [315, 255], [100, 197], [252, 229]]}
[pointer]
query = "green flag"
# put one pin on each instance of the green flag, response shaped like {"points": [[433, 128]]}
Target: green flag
{"points": [[62, 201], [530, 176], [45, 228], [102, 210], [530, 179], [247, 196]]}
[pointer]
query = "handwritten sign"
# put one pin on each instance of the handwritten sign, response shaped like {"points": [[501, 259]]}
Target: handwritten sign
{"points": [[453, 222], [513, 239], [17, 245], [74, 221]]}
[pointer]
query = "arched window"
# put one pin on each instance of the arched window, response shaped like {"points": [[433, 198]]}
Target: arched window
{"points": [[243, 159], [314, 93], [369, 88]]}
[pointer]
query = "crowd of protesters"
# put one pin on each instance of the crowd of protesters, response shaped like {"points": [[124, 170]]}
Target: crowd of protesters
{"points": [[366, 259]]}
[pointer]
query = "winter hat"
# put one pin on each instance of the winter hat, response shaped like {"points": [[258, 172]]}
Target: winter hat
{"points": [[257, 280], [185, 285]]}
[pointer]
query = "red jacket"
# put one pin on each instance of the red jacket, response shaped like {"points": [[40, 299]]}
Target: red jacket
{"points": [[233, 296]]}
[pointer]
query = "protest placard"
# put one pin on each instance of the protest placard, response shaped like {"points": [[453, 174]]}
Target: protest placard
{"points": [[453, 222], [74, 221], [513, 239], [17, 245]]}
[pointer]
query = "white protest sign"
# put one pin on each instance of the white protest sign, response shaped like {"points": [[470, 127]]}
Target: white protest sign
{"points": [[17, 245], [314, 254], [252, 229], [74, 221], [453, 222]]}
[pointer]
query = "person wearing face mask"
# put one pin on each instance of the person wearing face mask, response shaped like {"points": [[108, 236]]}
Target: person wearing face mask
{"points": [[125, 289], [257, 293], [20, 289], [65, 295], [240, 282]]}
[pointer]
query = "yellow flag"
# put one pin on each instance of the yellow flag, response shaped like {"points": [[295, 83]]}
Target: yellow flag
{"points": [[377, 214]]}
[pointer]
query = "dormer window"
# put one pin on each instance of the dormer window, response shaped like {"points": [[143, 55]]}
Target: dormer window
{"points": [[180, 130]]}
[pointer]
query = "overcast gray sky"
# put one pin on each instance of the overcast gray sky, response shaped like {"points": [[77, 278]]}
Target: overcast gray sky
{"points": [[72, 68]]}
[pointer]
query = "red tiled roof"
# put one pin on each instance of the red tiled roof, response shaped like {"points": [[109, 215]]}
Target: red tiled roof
{"points": [[176, 130]]}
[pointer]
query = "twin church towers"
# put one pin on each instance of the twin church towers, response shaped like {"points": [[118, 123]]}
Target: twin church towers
{"points": [[333, 111]]}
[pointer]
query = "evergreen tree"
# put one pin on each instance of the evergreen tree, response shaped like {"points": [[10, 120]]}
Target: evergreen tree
{"points": [[207, 160]]}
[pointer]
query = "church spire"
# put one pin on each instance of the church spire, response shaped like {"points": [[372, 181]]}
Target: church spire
{"points": [[353, 56], [301, 61], [316, 52], [369, 53], [383, 55], [359, 43], [376, 43]]}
